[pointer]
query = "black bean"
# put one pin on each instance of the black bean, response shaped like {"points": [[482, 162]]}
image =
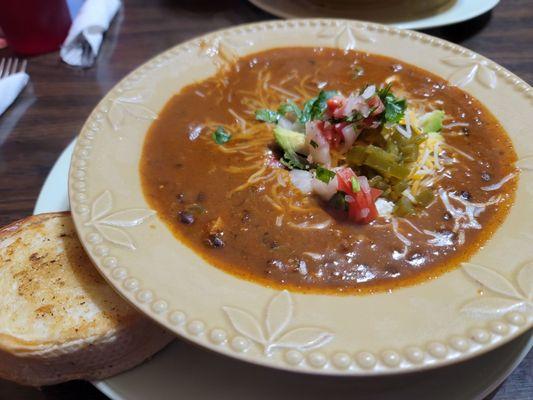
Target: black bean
{"points": [[466, 195], [485, 176], [186, 217], [466, 131], [215, 241], [180, 197], [447, 216]]}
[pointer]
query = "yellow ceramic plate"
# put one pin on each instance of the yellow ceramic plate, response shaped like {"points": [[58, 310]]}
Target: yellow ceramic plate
{"points": [[470, 310]]}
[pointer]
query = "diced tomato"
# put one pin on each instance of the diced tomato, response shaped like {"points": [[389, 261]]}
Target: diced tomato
{"points": [[339, 126], [361, 207], [344, 179], [334, 103], [333, 136], [372, 210], [376, 103], [375, 193]]}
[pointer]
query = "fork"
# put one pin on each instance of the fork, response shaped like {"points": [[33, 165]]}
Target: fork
{"points": [[10, 66]]}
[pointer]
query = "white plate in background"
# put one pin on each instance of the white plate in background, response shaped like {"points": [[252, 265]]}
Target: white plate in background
{"points": [[461, 10]]}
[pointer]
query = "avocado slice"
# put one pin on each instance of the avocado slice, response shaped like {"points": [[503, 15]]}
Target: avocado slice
{"points": [[290, 141], [433, 121]]}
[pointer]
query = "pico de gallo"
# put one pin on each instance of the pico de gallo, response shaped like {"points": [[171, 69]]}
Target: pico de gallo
{"points": [[365, 153]]}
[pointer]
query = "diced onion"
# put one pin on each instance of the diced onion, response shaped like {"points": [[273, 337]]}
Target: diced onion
{"points": [[285, 123], [369, 92], [363, 182], [384, 207], [350, 136], [318, 153], [354, 103], [302, 180], [325, 190]]}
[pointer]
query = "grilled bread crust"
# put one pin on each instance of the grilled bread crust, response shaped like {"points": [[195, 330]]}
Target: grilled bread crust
{"points": [[59, 319]]}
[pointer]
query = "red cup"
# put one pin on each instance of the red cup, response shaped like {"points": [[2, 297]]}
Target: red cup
{"points": [[34, 26]]}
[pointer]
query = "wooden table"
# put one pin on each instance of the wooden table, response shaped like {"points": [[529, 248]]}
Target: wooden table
{"points": [[52, 109]]}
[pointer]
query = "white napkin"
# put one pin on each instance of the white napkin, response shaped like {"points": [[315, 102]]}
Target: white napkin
{"points": [[88, 29], [10, 88]]}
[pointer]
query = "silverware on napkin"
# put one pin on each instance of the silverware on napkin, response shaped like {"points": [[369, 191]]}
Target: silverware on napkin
{"points": [[87, 32]]}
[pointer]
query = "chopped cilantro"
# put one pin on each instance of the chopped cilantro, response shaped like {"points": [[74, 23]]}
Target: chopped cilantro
{"points": [[356, 187], [220, 136], [267, 116], [324, 174], [293, 160], [315, 107], [394, 107], [355, 117], [385, 91], [306, 113], [314, 144], [312, 109], [290, 107]]}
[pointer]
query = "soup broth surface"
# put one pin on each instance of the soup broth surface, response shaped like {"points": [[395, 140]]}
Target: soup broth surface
{"points": [[234, 204]]}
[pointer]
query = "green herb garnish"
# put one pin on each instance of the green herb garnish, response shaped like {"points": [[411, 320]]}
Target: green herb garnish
{"points": [[220, 136], [290, 107], [315, 107], [324, 174], [394, 107], [293, 160], [267, 116]]}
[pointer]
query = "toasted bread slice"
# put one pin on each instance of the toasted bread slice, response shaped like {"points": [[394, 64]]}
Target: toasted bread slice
{"points": [[59, 319]]}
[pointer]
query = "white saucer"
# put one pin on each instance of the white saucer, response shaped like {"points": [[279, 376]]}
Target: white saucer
{"points": [[461, 10], [186, 372]]}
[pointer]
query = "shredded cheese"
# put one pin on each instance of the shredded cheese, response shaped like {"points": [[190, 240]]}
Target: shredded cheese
{"points": [[306, 225], [499, 184], [396, 231]]}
